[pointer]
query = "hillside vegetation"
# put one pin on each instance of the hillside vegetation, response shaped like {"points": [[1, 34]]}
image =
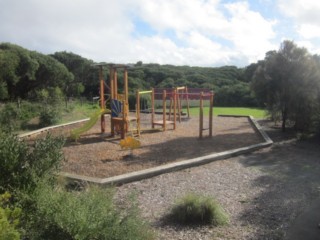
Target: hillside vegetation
{"points": [[28, 74]]}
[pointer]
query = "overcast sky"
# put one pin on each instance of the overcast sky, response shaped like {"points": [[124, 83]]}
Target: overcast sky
{"points": [[179, 32]]}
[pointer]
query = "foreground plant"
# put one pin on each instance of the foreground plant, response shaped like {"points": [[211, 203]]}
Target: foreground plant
{"points": [[195, 209], [9, 218], [90, 214], [23, 166]]}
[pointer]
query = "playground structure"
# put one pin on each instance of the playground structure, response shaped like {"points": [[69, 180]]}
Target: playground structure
{"points": [[120, 120], [119, 112], [182, 91], [164, 122], [175, 97], [203, 95]]}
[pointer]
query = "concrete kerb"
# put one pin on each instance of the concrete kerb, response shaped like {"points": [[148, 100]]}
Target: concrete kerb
{"points": [[151, 172]]}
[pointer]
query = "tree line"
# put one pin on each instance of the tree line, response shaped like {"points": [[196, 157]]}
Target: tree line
{"points": [[25, 73]]}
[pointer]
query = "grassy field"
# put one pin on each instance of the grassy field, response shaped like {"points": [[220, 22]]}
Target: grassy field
{"points": [[78, 111], [255, 112]]}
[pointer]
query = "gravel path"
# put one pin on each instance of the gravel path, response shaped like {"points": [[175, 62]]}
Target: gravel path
{"points": [[262, 192]]}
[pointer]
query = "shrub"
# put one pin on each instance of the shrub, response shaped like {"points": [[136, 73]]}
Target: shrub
{"points": [[49, 116], [9, 218], [194, 209], [22, 167], [9, 117], [14, 116], [84, 215]]}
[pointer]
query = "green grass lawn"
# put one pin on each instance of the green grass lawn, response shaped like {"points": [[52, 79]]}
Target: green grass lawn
{"points": [[255, 112], [85, 110], [77, 111]]}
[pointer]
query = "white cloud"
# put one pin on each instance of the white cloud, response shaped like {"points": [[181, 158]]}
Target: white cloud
{"points": [[248, 34], [203, 32], [305, 11], [249, 31], [305, 18], [309, 31], [305, 14]]}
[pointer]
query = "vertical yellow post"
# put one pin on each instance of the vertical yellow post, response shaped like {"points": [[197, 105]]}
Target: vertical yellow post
{"points": [[103, 124], [201, 116], [164, 110], [211, 114]]}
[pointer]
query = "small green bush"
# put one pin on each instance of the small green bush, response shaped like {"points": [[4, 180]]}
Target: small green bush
{"points": [[194, 209], [49, 116], [9, 117], [22, 167], [9, 218], [90, 214], [14, 116]]}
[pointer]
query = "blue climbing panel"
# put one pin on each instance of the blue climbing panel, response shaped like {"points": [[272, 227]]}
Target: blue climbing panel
{"points": [[116, 108]]}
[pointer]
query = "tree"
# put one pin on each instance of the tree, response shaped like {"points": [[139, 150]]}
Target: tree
{"points": [[16, 67], [23, 71], [85, 75], [287, 81]]}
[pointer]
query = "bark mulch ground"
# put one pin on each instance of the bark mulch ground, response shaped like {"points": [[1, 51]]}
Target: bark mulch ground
{"points": [[97, 155]]}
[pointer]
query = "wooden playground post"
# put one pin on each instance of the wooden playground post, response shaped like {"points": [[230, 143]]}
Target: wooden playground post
{"points": [[138, 111], [111, 96], [201, 129], [211, 114], [164, 110], [188, 105], [126, 97], [111, 70], [103, 123], [174, 109], [152, 107], [170, 107], [125, 105], [201, 115], [115, 83], [179, 102]]}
